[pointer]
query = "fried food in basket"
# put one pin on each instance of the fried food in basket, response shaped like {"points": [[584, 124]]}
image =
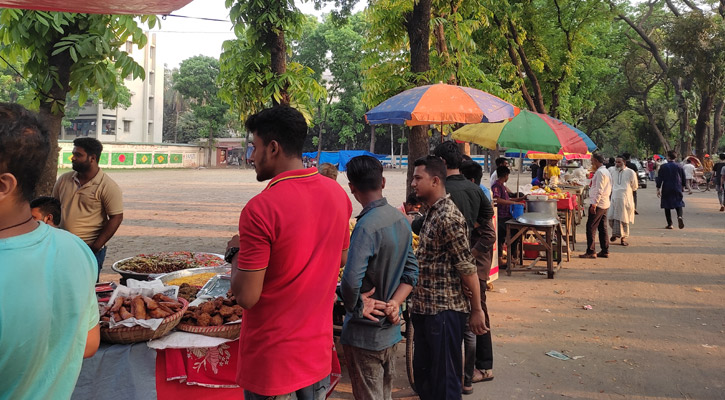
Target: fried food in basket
{"points": [[215, 312], [140, 307]]}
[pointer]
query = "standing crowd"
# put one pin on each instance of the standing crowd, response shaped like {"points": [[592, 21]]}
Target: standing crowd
{"points": [[292, 240]]}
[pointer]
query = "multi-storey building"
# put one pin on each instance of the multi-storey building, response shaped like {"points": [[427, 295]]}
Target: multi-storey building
{"points": [[142, 121]]}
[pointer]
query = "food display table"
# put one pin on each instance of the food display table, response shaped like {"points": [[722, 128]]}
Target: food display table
{"points": [[549, 239], [135, 371]]}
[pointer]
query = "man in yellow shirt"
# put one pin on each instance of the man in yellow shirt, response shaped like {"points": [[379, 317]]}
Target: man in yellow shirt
{"points": [[91, 202]]}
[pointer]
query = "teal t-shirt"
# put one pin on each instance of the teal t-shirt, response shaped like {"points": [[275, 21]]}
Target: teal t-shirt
{"points": [[47, 306]]}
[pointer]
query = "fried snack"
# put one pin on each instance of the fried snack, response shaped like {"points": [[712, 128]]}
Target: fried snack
{"points": [[217, 320], [159, 313], [161, 297], [117, 316], [188, 292], [238, 309], [232, 318], [204, 319], [117, 304], [124, 314], [207, 307], [151, 304], [138, 308], [226, 311]]}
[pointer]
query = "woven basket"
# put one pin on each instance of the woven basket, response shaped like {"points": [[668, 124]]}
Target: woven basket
{"points": [[230, 331], [135, 334]]}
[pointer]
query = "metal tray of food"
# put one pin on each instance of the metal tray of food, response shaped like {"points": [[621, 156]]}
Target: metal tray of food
{"points": [[145, 276], [192, 271]]}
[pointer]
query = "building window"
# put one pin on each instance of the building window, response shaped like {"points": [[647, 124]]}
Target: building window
{"points": [[127, 126]]}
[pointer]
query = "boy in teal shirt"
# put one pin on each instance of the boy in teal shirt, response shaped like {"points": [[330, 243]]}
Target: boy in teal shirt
{"points": [[48, 308]]}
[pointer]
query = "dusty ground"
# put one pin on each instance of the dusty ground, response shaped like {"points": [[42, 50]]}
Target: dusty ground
{"points": [[656, 329]]}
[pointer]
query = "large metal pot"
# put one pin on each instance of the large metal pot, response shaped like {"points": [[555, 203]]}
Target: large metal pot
{"points": [[547, 207]]}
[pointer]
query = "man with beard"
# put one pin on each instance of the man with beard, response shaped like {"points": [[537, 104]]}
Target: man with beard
{"points": [[621, 209], [293, 239], [91, 202]]}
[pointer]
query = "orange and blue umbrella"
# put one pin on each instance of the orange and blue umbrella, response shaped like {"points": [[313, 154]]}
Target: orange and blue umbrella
{"points": [[441, 104], [528, 130]]}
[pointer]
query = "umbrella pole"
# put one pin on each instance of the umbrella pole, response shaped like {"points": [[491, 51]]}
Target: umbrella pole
{"points": [[521, 167]]}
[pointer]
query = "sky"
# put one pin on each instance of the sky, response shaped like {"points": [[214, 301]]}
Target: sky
{"points": [[180, 38]]}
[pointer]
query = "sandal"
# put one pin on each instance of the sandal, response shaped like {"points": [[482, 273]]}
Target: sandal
{"points": [[624, 242], [467, 390], [484, 375]]}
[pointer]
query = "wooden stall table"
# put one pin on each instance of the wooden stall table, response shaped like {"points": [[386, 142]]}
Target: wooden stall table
{"points": [[581, 193], [545, 234]]}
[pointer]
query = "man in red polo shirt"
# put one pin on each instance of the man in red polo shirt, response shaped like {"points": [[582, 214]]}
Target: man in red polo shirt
{"points": [[293, 238]]}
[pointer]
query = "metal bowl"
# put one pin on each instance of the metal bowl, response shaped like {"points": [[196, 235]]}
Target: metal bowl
{"points": [[144, 277]]}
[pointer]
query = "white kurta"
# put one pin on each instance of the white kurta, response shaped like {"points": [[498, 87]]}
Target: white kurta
{"points": [[624, 183]]}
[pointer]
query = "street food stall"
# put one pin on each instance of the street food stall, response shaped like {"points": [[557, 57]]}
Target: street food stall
{"points": [[172, 331]]}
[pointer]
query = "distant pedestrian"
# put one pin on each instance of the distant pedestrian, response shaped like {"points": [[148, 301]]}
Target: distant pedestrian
{"points": [[717, 177], [628, 162], [651, 169], [621, 209], [328, 170], [599, 192], [689, 175], [670, 179]]}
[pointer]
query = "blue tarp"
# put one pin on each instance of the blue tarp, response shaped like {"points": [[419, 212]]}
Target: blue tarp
{"points": [[340, 158]]}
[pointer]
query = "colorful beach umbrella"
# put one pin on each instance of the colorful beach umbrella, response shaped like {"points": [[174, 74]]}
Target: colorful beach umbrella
{"points": [[528, 130], [441, 104], [538, 155]]}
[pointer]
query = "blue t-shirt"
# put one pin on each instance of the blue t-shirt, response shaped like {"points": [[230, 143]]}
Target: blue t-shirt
{"points": [[486, 191], [47, 306]]}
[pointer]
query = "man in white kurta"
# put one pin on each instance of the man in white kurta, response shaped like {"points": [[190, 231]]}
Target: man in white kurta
{"points": [[621, 210]]}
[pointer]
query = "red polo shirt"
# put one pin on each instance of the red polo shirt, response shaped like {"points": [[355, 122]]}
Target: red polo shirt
{"points": [[297, 229]]}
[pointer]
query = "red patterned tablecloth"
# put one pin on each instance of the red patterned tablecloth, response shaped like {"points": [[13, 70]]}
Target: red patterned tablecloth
{"points": [[207, 373]]}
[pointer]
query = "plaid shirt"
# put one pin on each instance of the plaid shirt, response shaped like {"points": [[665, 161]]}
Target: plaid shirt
{"points": [[443, 255]]}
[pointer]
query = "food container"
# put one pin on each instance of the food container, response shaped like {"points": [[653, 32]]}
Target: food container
{"points": [[135, 334], [165, 278], [541, 219], [541, 206], [147, 276]]}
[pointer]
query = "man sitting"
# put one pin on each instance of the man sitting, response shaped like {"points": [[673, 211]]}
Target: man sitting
{"points": [[46, 209]]}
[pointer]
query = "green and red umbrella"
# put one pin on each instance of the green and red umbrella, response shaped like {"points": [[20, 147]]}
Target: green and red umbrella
{"points": [[528, 130]]}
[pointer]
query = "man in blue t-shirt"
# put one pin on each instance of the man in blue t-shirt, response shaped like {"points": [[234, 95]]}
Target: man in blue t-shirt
{"points": [[48, 308]]}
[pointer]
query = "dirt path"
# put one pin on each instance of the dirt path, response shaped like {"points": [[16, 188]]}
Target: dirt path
{"points": [[656, 329]]}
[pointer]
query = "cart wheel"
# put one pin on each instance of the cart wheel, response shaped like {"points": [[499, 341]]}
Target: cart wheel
{"points": [[409, 347]]}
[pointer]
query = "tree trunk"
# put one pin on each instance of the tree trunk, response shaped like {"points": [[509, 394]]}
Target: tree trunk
{"points": [[717, 128], [278, 52], [653, 124], [537, 95], [703, 118], [372, 138], [418, 27], [211, 146], [53, 121]]}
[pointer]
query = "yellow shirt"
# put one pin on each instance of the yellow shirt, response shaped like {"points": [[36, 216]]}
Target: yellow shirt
{"points": [[550, 171], [85, 209]]}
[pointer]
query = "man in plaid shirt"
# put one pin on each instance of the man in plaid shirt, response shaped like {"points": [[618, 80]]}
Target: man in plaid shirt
{"points": [[439, 305]]}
